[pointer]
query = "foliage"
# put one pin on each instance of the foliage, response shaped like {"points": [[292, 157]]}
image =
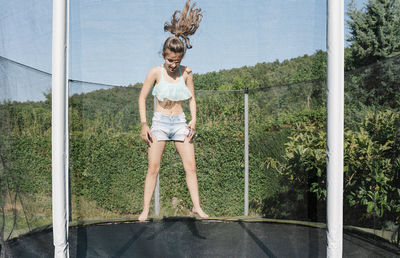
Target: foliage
{"points": [[295, 70], [371, 171], [374, 85], [373, 163], [108, 160], [375, 36], [375, 31]]}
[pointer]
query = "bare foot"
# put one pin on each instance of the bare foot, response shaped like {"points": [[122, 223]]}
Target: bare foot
{"points": [[200, 212], [143, 216]]}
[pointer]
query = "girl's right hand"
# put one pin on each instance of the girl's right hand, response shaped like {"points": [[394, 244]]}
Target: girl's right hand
{"points": [[146, 134]]}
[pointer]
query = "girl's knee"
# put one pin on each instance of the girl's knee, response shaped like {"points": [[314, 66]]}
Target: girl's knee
{"points": [[190, 169], [153, 169]]}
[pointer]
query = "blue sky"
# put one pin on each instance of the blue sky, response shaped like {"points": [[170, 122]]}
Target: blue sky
{"points": [[118, 41]]}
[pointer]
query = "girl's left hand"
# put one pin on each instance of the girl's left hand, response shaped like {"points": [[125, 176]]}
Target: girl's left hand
{"points": [[192, 127]]}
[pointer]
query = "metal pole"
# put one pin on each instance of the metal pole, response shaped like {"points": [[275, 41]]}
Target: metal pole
{"points": [[157, 197], [335, 122], [59, 118], [157, 190], [246, 151]]}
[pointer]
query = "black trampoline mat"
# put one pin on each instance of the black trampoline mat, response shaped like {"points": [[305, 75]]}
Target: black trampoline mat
{"points": [[196, 238]]}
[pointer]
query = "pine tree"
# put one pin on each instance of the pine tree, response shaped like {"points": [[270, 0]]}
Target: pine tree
{"points": [[375, 31]]}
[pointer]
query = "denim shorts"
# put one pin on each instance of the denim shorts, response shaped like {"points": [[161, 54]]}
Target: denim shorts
{"points": [[169, 128]]}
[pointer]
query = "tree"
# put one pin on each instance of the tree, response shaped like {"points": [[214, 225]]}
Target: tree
{"points": [[375, 31]]}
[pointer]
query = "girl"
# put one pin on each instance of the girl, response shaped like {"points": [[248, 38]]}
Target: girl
{"points": [[173, 84]]}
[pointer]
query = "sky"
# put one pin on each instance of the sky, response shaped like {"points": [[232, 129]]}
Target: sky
{"points": [[117, 41]]}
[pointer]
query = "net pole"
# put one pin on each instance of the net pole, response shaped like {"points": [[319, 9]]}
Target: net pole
{"points": [[157, 190], [246, 151], [59, 127], [335, 127], [157, 197], [68, 179]]}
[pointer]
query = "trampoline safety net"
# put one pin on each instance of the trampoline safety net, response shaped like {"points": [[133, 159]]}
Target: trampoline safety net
{"points": [[287, 156]]}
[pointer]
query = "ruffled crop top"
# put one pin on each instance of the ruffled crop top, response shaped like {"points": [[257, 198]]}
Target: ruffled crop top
{"points": [[173, 91]]}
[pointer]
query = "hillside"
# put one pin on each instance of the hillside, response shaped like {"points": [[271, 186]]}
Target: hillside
{"points": [[262, 75]]}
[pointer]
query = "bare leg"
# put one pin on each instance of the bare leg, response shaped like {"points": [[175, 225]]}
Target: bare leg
{"points": [[155, 152], [186, 151]]}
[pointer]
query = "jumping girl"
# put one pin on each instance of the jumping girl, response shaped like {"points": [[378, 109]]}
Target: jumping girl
{"points": [[173, 84]]}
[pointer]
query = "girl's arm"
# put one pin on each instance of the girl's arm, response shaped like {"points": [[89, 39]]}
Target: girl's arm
{"points": [[192, 102], [148, 83]]}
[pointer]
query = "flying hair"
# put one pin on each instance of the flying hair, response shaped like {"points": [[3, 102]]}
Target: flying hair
{"points": [[185, 23]]}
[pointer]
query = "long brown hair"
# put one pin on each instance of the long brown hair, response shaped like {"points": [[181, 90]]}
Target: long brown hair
{"points": [[183, 24]]}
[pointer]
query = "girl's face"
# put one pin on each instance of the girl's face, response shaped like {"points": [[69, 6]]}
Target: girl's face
{"points": [[172, 60]]}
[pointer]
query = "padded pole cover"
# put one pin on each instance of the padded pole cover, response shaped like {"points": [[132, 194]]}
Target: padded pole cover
{"points": [[59, 128], [335, 121]]}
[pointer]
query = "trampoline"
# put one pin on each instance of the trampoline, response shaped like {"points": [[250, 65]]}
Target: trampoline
{"points": [[102, 157], [189, 237]]}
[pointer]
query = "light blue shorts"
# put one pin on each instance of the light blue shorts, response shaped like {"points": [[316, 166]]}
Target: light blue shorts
{"points": [[169, 128]]}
